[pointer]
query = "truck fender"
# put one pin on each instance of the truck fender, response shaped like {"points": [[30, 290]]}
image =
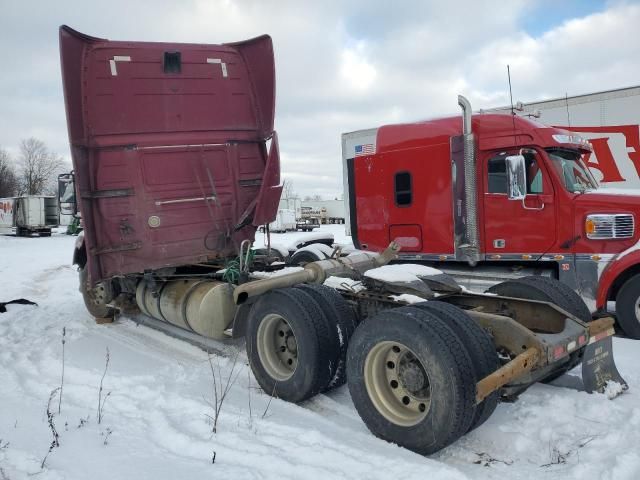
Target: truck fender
{"points": [[79, 251], [615, 274]]}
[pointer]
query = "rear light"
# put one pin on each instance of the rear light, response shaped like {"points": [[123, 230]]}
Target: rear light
{"points": [[582, 339], [558, 352]]}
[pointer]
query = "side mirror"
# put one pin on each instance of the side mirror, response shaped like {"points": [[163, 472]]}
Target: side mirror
{"points": [[67, 194], [516, 177]]}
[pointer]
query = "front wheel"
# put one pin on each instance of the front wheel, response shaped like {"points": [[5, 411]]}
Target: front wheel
{"points": [[96, 298], [628, 307]]}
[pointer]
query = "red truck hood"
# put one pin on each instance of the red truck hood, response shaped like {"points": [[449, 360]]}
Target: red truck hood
{"points": [[611, 198], [168, 143]]}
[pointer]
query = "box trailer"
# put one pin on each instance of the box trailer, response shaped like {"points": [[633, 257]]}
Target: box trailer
{"points": [[172, 188], [610, 120], [30, 214], [6, 215], [285, 221], [329, 211]]}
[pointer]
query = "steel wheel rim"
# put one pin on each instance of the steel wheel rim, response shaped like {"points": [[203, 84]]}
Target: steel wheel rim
{"points": [[636, 309], [277, 347], [397, 383]]}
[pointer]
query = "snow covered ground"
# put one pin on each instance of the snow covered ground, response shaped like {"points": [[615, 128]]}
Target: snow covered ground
{"points": [[155, 423]]}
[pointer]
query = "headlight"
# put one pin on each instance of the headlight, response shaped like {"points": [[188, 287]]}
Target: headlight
{"points": [[605, 226]]}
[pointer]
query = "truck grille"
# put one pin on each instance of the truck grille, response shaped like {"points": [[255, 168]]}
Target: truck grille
{"points": [[623, 226], [612, 226]]}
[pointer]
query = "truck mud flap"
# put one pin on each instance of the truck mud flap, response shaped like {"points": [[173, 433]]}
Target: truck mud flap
{"points": [[599, 368]]}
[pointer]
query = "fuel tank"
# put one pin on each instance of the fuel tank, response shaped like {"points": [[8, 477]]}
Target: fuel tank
{"points": [[205, 307]]}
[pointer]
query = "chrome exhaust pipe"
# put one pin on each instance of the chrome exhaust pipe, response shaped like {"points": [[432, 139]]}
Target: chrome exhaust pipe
{"points": [[471, 187]]}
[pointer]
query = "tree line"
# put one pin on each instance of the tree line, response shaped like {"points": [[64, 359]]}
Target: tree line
{"points": [[34, 171]]}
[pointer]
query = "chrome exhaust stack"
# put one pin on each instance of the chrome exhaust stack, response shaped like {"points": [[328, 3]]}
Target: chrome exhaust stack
{"points": [[469, 245]]}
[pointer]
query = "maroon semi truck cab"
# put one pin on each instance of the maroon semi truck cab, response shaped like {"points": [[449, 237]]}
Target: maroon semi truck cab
{"points": [[444, 189], [170, 150]]}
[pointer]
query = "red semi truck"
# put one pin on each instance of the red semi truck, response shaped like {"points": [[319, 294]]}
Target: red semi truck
{"points": [[523, 203], [176, 166]]}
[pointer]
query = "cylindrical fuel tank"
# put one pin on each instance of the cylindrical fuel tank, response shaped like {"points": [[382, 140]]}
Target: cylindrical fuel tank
{"points": [[205, 307]]}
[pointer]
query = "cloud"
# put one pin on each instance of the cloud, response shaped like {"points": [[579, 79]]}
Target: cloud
{"points": [[341, 66]]}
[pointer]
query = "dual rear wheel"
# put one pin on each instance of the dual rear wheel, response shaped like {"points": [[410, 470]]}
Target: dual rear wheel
{"points": [[411, 371], [297, 341]]}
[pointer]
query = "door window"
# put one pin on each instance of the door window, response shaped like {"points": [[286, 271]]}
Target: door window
{"points": [[497, 174]]}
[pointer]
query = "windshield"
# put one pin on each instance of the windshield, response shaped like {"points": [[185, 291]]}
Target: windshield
{"points": [[575, 174]]}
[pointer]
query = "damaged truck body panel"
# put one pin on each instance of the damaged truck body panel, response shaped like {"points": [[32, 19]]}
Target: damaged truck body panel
{"points": [[169, 148]]}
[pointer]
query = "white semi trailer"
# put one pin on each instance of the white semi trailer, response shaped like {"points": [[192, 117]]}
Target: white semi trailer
{"points": [[609, 119], [28, 215], [330, 211]]}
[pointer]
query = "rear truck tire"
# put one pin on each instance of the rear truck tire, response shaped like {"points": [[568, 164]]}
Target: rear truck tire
{"points": [[548, 290], [342, 322], [95, 299], [480, 346], [289, 346], [411, 379], [628, 307]]}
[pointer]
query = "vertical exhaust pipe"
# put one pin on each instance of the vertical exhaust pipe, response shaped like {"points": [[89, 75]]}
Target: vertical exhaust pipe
{"points": [[471, 245]]}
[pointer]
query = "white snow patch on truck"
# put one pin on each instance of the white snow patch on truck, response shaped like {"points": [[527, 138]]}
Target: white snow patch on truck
{"points": [[403, 273]]}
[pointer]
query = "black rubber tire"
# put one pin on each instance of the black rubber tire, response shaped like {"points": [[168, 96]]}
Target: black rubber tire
{"points": [[450, 372], [301, 258], [626, 307], [316, 350], [548, 290], [98, 310], [342, 322], [480, 346]]}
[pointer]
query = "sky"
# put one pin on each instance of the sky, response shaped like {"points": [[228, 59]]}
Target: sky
{"points": [[340, 65]]}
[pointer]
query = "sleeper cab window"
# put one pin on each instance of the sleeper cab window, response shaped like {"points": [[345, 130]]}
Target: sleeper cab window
{"points": [[402, 188]]}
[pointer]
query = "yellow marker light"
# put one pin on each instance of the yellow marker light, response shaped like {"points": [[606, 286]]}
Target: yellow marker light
{"points": [[596, 257], [442, 257], [526, 257], [495, 257], [590, 226], [558, 257]]}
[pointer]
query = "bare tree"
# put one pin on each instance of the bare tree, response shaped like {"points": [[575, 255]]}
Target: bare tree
{"points": [[8, 177], [288, 193], [38, 166]]}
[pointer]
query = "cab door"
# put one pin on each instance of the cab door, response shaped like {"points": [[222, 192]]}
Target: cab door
{"points": [[527, 226]]}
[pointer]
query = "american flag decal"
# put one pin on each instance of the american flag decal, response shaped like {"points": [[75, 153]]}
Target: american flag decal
{"points": [[365, 149]]}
